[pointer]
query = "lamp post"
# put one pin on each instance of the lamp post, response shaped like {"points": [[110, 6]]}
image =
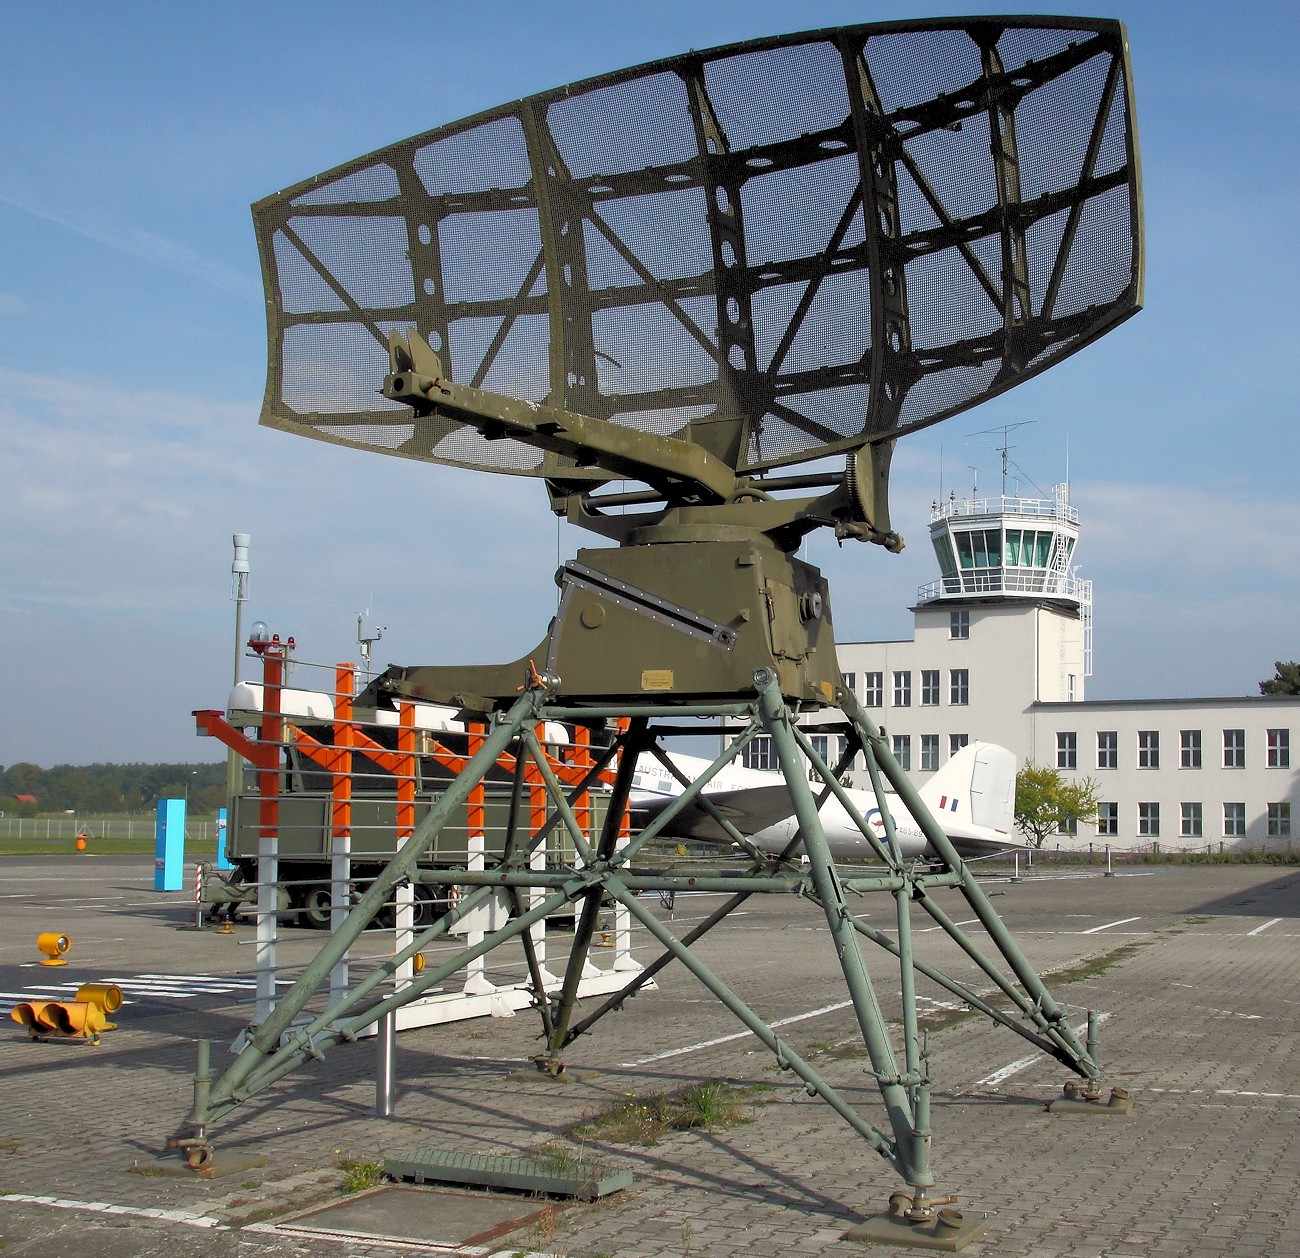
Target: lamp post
{"points": [[239, 592]]}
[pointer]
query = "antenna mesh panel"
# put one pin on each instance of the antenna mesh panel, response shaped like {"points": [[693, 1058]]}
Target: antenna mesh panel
{"points": [[820, 240]]}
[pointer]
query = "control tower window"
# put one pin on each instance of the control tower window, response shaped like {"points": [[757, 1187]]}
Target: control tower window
{"points": [[980, 548]]}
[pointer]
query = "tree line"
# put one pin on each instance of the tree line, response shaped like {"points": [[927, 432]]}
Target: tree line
{"points": [[109, 788]]}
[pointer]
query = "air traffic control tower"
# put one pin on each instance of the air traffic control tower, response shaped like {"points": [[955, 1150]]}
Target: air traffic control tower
{"points": [[1014, 553]]}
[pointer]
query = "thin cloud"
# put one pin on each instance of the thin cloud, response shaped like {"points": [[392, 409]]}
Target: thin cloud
{"points": [[146, 245]]}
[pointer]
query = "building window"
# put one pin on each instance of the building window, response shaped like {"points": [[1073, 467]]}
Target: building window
{"points": [[1191, 823], [821, 745], [959, 687], [1189, 748], [1279, 749], [1069, 827], [1107, 749], [1148, 749], [873, 690], [851, 683], [929, 687], [1279, 820], [1234, 748], [903, 750], [956, 742], [1067, 755], [1107, 820], [1149, 821], [759, 753], [959, 625], [902, 690], [1234, 821], [929, 752]]}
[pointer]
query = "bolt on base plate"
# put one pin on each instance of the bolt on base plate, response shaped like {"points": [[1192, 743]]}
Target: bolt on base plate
{"points": [[1076, 1101], [942, 1230], [215, 1166]]}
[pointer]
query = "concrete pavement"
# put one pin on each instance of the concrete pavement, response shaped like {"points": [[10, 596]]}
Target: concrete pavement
{"points": [[1197, 984]]}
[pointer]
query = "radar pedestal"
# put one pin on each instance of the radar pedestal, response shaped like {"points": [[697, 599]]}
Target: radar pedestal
{"points": [[687, 620], [694, 276]]}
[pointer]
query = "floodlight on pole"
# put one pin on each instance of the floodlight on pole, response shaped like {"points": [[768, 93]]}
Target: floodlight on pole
{"points": [[239, 592]]}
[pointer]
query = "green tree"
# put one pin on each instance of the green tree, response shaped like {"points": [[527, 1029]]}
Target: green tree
{"points": [[1046, 802], [1286, 682]]}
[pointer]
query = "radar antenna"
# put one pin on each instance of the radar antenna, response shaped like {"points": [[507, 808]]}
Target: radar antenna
{"points": [[697, 275]]}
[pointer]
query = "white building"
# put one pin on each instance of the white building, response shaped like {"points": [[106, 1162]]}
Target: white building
{"points": [[1001, 651]]}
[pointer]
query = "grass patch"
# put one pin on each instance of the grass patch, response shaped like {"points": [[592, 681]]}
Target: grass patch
{"points": [[940, 1019], [647, 1120], [845, 1050], [360, 1173], [1093, 967], [933, 1020], [563, 1159], [101, 845]]}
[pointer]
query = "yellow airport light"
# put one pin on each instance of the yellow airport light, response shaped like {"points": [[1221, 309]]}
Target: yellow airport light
{"points": [[75, 1019], [54, 946], [106, 997]]}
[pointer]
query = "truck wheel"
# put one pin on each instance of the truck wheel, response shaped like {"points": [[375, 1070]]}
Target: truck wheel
{"points": [[315, 911], [430, 904]]}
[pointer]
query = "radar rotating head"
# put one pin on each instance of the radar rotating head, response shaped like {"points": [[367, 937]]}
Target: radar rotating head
{"points": [[706, 269]]}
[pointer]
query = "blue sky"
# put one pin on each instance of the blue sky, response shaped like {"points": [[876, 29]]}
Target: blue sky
{"points": [[132, 358]]}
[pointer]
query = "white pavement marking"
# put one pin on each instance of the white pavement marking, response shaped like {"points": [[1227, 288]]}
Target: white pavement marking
{"points": [[103, 1207], [1259, 930], [925, 930], [1015, 1067], [1123, 921], [739, 1035], [169, 986], [1264, 1096]]}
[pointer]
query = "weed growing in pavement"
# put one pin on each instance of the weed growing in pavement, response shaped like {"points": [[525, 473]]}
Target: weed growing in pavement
{"points": [[360, 1174], [646, 1120]]}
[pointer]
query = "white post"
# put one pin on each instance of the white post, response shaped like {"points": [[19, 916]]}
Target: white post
{"points": [[476, 980], [623, 958], [404, 930], [537, 860], [340, 881], [268, 903]]}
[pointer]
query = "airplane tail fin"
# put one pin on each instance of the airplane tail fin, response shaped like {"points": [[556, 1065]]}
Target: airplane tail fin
{"points": [[977, 785]]}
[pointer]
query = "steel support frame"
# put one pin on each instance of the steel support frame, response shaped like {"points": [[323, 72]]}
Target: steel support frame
{"points": [[1017, 997]]}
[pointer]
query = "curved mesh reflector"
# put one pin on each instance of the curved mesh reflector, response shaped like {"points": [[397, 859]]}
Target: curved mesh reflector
{"points": [[822, 240]]}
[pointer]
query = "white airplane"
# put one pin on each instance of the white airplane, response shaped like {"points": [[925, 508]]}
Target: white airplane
{"points": [[972, 798]]}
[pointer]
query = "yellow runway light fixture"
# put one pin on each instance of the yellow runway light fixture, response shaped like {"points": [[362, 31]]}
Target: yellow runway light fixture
{"points": [[417, 963], [106, 997], [54, 946], [62, 1018]]}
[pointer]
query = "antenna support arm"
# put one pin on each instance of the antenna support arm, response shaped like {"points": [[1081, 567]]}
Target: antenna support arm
{"points": [[682, 471]]}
